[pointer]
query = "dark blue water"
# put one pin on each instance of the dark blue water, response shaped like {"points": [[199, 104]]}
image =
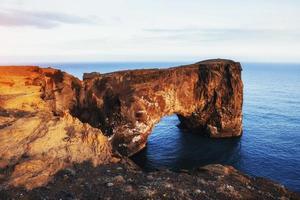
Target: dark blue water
{"points": [[270, 145]]}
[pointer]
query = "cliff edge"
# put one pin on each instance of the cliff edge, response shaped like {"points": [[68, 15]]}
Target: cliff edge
{"points": [[38, 135], [52, 124]]}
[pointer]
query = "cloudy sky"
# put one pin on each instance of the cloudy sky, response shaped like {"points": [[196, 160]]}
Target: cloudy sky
{"points": [[144, 30]]}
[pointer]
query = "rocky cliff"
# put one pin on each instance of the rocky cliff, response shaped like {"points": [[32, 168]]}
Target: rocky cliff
{"points": [[206, 96], [38, 135], [51, 121]]}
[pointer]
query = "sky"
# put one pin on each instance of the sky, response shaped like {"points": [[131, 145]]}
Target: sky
{"points": [[144, 30]]}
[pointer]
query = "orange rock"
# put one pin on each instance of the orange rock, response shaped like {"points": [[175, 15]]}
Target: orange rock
{"points": [[37, 133], [50, 119], [206, 96]]}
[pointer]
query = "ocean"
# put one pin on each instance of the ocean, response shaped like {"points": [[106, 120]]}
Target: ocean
{"points": [[270, 145]]}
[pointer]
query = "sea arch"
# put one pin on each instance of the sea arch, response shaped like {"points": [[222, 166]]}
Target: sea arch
{"points": [[206, 96]]}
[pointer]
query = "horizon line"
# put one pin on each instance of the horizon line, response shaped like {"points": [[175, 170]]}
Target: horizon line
{"points": [[38, 63]]}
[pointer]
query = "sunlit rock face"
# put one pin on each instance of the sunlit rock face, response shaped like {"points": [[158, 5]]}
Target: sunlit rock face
{"points": [[50, 120], [207, 97], [38, 136]]}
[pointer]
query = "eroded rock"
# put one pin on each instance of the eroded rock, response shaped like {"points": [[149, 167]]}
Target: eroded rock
{"points": [[43, 134], [43, 113], [206, 96], [38, 136]]}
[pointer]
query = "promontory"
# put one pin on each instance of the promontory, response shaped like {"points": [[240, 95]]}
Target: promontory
{"points": [[66, 138]]}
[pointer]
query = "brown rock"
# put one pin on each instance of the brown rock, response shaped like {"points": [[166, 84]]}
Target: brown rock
{"points": [[38, 136], [43, 113], [128, 189], [119, 179], [206, 96]]}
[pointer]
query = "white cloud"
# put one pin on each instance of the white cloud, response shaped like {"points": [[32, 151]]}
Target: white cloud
{"points": [[149, 30], [39, 19]]}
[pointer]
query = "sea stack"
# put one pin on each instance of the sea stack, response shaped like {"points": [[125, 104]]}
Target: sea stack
{"points": [[206, 96]]}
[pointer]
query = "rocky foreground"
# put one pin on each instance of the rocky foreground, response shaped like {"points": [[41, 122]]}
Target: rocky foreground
{"points": [[123, 180], [61, 137]]}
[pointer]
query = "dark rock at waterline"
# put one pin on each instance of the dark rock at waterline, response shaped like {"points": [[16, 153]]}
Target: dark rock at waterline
{"points": [[109, 182]]}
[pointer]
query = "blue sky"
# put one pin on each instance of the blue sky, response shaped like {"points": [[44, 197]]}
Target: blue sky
{"points": [[140, 30]]}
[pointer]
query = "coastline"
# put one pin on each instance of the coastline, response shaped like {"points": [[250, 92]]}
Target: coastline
{"points": [[43, 97]]}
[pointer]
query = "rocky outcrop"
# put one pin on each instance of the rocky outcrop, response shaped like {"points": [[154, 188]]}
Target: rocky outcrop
{"points": [[56, 132], [206, 96], [38, 135], [49, 119], [122, 181]]}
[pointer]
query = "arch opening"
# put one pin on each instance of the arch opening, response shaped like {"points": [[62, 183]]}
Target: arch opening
{"points": [[170, 146]]}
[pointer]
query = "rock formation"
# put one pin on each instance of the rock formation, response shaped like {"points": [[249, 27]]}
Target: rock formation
{"points": [[43, 113], [38, 136], [51, 122], [120, 181], [206, 96]]}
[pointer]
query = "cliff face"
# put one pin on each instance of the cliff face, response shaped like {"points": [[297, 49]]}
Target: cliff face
{"points": [[45, 142], [206, 96], [43, 113], [38, 136]]}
